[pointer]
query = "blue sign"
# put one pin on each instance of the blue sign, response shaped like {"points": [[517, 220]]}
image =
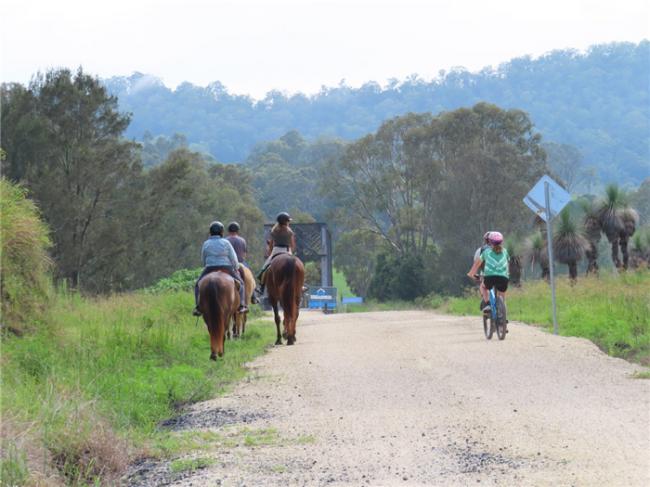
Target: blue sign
{"points": [[352, 300], [536, 199], [321, 297]]}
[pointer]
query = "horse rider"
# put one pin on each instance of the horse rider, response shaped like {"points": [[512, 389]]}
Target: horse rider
{"points": [[217, 254], [282, 241], [241, 249]]}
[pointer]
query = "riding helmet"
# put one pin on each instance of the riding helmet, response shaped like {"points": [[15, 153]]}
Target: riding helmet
{"points": [[233, 227], [496, 238], [216, 228], [283, 218]]}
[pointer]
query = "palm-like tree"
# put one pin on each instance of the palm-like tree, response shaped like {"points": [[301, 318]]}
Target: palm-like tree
{"points": [[630, 219], [537, 253], [610, 218], [514, 264], [592, 231], [569, 245], [640, 255]]}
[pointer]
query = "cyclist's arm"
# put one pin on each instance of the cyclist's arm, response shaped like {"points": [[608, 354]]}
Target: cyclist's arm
{"points": [[475, 267]]}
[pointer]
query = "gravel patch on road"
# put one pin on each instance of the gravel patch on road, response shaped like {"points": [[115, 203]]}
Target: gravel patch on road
{"points": [[417, 398]]}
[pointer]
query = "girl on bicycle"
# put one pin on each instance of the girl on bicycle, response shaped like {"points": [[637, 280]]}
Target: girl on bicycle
{"points": [[495, 272]]}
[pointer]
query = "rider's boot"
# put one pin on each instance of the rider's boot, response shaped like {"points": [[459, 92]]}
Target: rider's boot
{"points": [[243, 309], [196, 311]]}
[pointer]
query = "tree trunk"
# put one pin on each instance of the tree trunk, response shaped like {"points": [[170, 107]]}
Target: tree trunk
{"points": [[592, 258], [515, 271], [626, 256], [546, 271], [615, 258], [573, 271]]}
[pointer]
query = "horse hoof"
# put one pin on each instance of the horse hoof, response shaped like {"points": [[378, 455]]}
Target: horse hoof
{"points": [[278, 342], [213, 357], [220, 354]]}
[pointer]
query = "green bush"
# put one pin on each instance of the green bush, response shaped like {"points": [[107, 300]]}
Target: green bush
{"points": [[25, 265]]}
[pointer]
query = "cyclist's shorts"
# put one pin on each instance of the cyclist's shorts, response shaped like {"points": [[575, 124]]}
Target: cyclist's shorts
{"points": [[499, 282]]}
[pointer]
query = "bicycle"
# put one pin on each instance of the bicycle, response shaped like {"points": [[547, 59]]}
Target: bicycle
{"points": [[496, 319]]}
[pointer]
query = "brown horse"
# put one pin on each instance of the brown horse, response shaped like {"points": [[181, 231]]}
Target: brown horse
{"points": [[239, 321], [218, 301], [284, 279]]}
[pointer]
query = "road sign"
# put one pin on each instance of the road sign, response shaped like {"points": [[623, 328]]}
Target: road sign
{"points": [[558, 198], [547, 199], [352, 300], [322, 297]]}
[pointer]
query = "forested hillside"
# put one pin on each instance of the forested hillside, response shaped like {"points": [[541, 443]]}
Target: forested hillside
{"points": [[596, 101]]}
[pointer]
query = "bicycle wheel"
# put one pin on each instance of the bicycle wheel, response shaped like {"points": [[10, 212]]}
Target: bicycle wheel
{"points": [[488, 329], [501, 318]]}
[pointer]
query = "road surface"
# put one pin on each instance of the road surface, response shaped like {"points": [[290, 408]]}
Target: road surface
{"points": [[417, 398]]}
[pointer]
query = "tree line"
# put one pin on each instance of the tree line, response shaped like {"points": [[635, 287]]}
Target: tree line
{"points": [[596, 101], [114, 225], [406, 203]]}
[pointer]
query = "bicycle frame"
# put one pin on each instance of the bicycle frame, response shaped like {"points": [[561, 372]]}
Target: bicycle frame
{"points": [[493, 304]]}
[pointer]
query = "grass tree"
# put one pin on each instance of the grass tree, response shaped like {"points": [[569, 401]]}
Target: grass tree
{"points": [[630, 219], [640, 254], [569, 245], [537, 253], [593, 233], [610, 218], [513, 247]]}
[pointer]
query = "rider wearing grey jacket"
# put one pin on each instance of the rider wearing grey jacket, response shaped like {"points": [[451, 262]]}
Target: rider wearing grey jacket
{"points": [[217, 254]]}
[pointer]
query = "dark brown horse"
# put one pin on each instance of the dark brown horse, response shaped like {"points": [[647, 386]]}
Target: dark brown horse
{"points": [[218, 301], [284, 279]]}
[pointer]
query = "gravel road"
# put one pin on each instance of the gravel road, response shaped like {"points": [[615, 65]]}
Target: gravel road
{"points": [[418, 398]]}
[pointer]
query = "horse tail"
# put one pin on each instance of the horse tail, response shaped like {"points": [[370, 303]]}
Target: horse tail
{"points": [[212, 293], [287, 289]]}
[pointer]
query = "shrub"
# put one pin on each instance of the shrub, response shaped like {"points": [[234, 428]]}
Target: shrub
{"points": [[25, 265]]}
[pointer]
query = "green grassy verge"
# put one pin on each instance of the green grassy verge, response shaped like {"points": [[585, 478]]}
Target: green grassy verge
{"points": [[612, 311], [87, 390]]}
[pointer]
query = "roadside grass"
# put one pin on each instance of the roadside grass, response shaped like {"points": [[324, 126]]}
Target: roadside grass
{"points": [[98, 376], [190, 464], [613, 311]]}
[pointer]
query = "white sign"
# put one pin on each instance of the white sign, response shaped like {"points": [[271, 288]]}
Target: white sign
{"points": [[558, 197]]}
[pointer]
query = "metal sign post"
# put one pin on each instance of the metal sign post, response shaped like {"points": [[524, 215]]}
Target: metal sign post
{"points": [[549, 241], [547, 199]]}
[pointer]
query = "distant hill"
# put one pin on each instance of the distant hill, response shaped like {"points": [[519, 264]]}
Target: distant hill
{"points": [[597, 101]]}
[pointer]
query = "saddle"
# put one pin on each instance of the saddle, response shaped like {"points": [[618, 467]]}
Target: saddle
{"points": [[237, 283]]}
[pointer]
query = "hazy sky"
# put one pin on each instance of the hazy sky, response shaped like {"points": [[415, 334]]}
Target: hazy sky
{"points": [[254, 46]]}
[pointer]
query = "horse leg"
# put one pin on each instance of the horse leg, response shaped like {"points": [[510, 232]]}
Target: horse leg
{"points": [[276, 315], [243, 323], [291, 332], [222, 324], [213, 343]]}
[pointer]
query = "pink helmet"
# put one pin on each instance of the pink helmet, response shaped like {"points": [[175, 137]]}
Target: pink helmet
{"points": [[496, 238]]}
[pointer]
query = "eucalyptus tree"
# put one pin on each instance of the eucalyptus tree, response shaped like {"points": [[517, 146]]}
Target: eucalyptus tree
{"points": [[569, 245]]}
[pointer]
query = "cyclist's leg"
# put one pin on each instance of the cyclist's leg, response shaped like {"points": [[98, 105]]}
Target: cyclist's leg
{"points": [[484, 292]]}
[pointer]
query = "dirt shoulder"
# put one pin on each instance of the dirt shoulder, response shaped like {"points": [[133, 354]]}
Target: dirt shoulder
{"points": [[418, 398]]}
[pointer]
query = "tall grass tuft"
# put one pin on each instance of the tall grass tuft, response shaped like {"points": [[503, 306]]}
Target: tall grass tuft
{"points": [[25, 265]]}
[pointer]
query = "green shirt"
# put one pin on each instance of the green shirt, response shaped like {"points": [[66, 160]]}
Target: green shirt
{"points": [[495, 264]]}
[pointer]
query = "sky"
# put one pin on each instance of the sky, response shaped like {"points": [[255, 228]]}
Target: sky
{"points": [[254, 46]]}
